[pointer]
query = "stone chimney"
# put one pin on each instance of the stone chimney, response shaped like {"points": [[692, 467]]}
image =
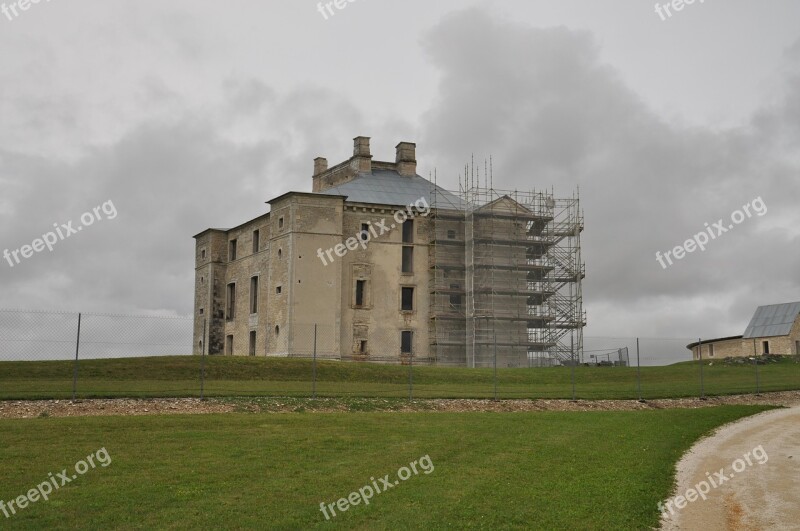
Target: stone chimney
{"points": [[406, 159], [362, 159], [320, 165]]}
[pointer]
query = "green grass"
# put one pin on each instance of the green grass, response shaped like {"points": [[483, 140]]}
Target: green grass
{"points": [[593, 470], [226, 376]]}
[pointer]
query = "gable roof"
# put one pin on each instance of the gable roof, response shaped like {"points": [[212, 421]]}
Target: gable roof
{"points": [[773, 320], [385, 187]]}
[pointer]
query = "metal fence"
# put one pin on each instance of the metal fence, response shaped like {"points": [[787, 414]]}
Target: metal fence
{"points": [[46, 355]]}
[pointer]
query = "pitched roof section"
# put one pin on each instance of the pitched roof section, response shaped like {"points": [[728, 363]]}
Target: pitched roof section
{"points": [[385, 187], [773, 320]]}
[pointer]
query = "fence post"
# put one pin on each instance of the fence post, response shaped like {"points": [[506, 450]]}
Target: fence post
{"points": [[700, 358], [411, 375], [572, 357], [75, 369], [314, 366], [203, 362], [638, 372], [495, 366], [755, 361]]}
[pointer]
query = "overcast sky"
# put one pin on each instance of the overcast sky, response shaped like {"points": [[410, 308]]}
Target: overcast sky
{"points": [[191, 114]]}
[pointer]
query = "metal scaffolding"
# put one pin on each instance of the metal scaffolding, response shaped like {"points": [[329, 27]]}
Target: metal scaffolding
{"points": [[505, 278]]}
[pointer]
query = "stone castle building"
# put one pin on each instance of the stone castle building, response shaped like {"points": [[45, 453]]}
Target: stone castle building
{"points": [[378, 263]]}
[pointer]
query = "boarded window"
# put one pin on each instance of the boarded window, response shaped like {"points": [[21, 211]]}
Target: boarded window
{"points": [[408, 260], [231, 308], [254, 295], [407, 302], [229, 345], [406, 339], [451, 235], [408, 231], [360, 288]]}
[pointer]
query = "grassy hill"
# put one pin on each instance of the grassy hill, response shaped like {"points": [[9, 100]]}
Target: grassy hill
{"points": [[241, 376]]}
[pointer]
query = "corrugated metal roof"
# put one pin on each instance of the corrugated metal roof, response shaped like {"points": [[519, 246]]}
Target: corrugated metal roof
{"points": [[384, 187], [773, 320]]}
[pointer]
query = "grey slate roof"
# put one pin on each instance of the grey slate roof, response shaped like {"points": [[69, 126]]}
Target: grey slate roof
{"points": [[385, 187], [773, 320]]}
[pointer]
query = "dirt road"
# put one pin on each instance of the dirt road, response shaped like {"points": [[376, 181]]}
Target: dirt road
{"points": [[755, 465]]}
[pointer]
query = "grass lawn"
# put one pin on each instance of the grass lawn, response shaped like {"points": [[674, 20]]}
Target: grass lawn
{"points": [[594, 470], [226, 376]]}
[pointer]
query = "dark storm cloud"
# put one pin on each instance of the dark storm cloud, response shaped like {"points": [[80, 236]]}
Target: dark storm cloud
{"points": [[552, 114], [168, 181]]}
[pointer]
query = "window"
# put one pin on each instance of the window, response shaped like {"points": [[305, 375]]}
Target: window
{"points": [[280, 254], [365, 231], [407, 299], [231, 301], [252, 342], [766, 346], [278, 290], [406, 337], [408, 260], [408, 231], [203, 254], [229, 345], [362, 348], [232, 251], [254, 295], [201, 311], [280, 222], [360, 285], [451, 235], [277, 330], [256, 241], [455, 298], [710, 351]]}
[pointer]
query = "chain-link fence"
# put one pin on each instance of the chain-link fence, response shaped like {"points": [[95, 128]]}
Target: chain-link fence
{"points": [[69, 355]]}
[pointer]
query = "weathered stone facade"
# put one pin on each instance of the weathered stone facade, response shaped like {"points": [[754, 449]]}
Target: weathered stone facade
{"points": [[264, 299]]}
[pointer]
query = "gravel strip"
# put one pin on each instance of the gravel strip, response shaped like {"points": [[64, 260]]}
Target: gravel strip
{"points": [[21, 409]]}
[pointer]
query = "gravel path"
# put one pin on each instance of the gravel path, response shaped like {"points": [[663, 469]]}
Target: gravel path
{"points": [[761, 495], [18, 409]]}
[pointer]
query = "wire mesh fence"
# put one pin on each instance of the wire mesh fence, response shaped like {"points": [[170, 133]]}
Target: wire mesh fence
{"points": [[68, 355]]}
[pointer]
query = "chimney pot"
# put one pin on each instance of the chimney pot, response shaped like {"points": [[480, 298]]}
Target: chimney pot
{"points": [[361, 146], [320, 165], [362, 159], [406, 159]]}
